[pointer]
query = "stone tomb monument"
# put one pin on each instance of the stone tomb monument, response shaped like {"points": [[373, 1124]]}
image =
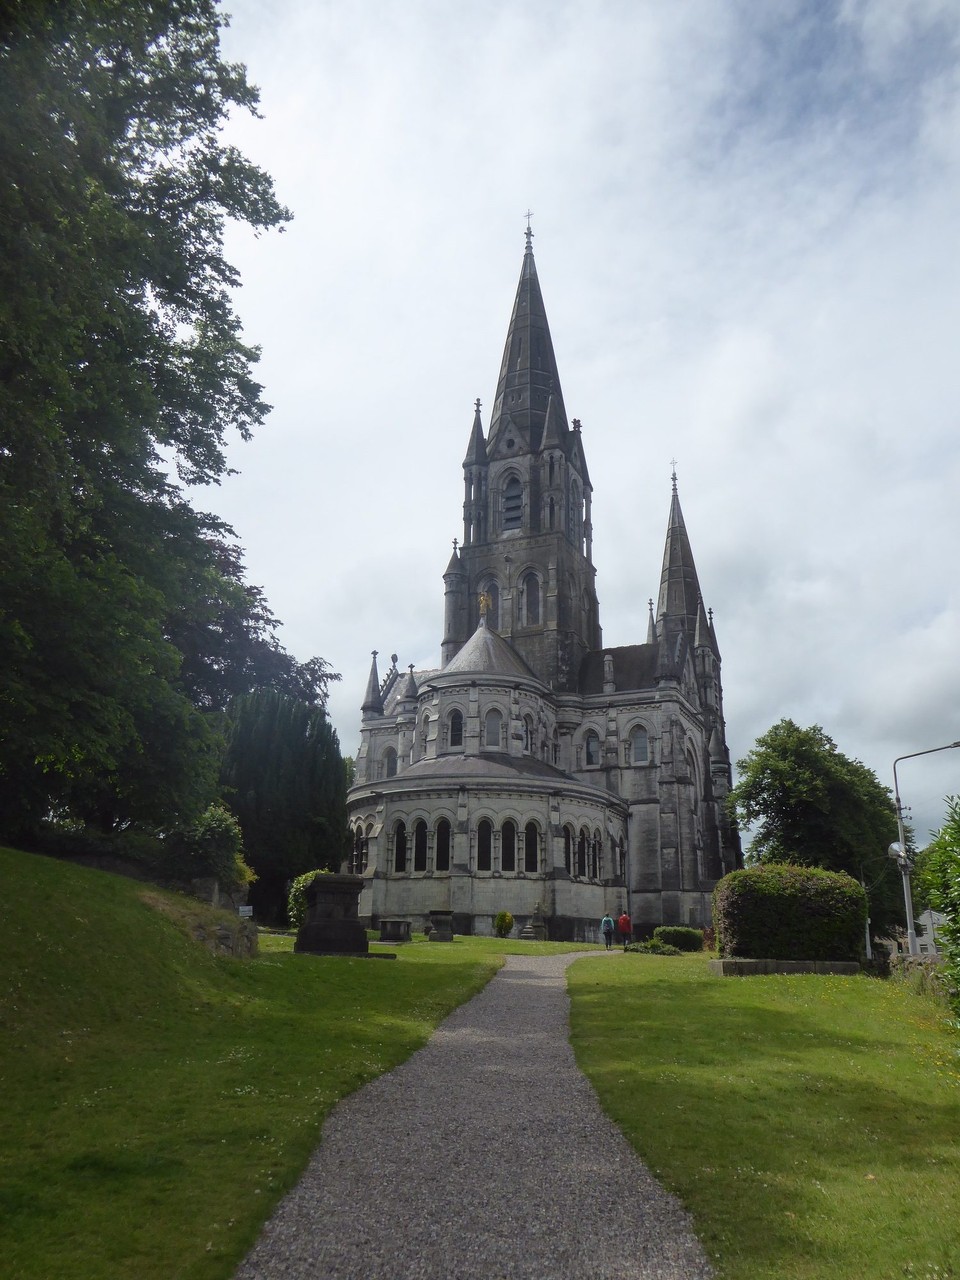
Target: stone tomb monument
{"points": [[332, 926], [442, 926]]}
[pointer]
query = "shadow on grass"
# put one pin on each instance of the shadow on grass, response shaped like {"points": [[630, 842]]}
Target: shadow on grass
{"points": [[807, 1122]]}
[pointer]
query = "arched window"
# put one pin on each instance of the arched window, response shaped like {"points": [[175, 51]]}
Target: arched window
{"points": [[492, 591], [420, 846], [556, 746], [591, 749], [528, 735], [400, 848], [358, 858], [639, 745], [512, 504], [568, 850], [531, 848], [492, 725], [389, 763], [582, 842], [508, 846], [551, 514], [530, 589], [484, 845], [456, 728], [595, 848], [621, 859], [424, 734], [443, 845]]}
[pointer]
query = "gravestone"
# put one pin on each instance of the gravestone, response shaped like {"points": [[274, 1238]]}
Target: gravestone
{"points": [[332, 926], [535, 930], [441, 926]]}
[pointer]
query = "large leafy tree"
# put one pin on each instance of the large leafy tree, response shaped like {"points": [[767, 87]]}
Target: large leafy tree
{"points": [[284, 778], [124, 616], [807, 803]]}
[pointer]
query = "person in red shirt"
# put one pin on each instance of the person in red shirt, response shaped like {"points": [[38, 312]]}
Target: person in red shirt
{"points": [[625, 928]]}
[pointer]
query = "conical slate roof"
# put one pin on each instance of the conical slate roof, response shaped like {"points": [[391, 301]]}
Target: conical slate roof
{"points": [[528, 372], [487, 653], [679, 600]]}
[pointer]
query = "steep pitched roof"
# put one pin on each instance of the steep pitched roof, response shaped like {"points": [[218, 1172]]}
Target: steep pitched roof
{"points": [[528, 371], [476, 446], [634, 667], [372, 701], [487, 653], [679, 599]]}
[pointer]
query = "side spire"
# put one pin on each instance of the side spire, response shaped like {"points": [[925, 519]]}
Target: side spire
{"points": [[476, 448], [679, 600], [372, 699]]}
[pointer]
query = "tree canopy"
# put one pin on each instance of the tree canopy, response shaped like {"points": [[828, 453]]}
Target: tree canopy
{"points": [[125, 620], [284, 778], [808, 803], [937, 882]]}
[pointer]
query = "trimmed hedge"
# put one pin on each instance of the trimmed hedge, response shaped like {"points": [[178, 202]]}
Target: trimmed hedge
{"points": [[679, 936], [778, 911]]}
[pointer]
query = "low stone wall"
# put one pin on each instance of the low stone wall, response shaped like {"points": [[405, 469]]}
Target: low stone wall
{"points": [[736, 968], [228, 938]]}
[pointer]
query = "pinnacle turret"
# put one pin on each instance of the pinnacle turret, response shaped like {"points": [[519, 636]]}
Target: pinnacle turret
{"points": [[372, 700], [477, 447]]}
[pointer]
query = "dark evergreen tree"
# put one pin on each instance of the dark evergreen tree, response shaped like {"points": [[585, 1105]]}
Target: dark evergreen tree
{"points": [[284, 778]]}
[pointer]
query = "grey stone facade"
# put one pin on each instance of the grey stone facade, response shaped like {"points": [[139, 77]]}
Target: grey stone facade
{"points": [[536, 767]]}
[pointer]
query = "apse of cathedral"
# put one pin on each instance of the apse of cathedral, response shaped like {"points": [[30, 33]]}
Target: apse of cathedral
{"points": [[537, 770]]}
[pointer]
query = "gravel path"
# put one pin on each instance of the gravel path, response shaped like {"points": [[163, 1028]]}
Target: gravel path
{"points": [[485, 1155]]}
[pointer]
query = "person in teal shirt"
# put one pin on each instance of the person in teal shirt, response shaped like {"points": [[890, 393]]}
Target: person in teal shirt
{"points": [[606, 928]]}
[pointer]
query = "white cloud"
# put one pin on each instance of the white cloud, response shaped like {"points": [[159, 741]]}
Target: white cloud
{"points": [[746, 236]]}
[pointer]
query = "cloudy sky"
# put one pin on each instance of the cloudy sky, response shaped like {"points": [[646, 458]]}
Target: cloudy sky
{"points": [[747, 232]]}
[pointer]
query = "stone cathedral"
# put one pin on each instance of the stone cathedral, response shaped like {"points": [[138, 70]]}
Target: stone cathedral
{"points": [[537, 770]]}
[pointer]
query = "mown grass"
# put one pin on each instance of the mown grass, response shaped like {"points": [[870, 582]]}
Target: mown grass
{"points": [[157, 1100], [810, 1124]]}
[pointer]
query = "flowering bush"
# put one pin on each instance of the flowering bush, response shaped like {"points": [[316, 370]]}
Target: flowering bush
{"points": [[503, 924]]}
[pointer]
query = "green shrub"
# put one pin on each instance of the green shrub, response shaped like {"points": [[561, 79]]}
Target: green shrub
{"points": [[297, 898], [503, 924], [679, 936], [653, 948], [778, 911], [212, 846]]}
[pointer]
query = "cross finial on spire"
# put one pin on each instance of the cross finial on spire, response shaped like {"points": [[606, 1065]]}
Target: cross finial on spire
{"points": [[455, 544], [529, 231], [476, 404], [673, 473]]}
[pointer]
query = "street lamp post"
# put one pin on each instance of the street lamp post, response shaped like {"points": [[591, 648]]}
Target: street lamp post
{"points": [[900, 851]]}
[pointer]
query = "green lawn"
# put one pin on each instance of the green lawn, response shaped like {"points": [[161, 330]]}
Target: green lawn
{"points": [[157, 1101], [810, 1124]]}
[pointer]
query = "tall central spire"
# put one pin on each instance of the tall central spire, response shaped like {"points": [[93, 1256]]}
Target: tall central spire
{"points": [[528, 371]]}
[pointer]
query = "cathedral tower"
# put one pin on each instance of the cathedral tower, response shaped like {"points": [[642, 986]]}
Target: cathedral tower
{"points": [[527, 538], [538, 770]]}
